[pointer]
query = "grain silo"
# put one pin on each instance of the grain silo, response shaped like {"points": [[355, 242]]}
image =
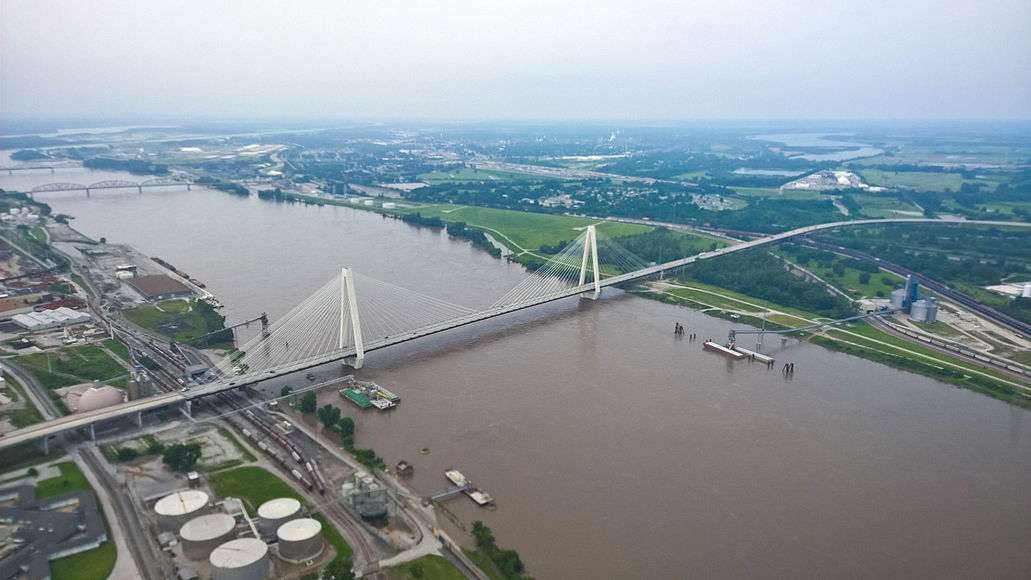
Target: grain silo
{"points": [[276, 512], [203, 534], [300, 539], [176, 509], [241, 559]]}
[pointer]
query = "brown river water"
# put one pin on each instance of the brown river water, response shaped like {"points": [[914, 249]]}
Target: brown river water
{"points": [[612, 449]]}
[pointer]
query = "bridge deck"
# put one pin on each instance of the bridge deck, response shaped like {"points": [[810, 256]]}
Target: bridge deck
{"points": [[82, 420]]}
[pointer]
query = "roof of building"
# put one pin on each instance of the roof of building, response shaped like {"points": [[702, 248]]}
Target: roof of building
{"points": [[207, 527], [299, 530], [181, 503], [158, 285], [99, 397], [238, 553], [275, 509]]}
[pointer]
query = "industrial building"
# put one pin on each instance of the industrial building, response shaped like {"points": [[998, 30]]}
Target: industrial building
{"points": [[177, 508], [47, 319], [300, 540], [159, 287], [201, 535], [365, 496], [241, 559], [276, 512], [35, 531]]}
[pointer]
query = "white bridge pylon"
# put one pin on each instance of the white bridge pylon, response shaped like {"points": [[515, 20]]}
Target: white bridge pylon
{"points": [[591, 247], [349, 314]]}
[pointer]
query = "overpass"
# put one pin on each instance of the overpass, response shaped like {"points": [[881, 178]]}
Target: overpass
{"points": [[328, 326]]}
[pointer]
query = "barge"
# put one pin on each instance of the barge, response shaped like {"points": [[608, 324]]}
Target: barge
{"points": [[716, 347], [365, 394], [479, 496]]}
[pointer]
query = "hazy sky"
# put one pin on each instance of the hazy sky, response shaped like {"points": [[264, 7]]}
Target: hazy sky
{"points": [[635, 59]]}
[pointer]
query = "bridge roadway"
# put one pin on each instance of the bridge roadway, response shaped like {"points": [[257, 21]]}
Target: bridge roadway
{"points": [[53, 427]]}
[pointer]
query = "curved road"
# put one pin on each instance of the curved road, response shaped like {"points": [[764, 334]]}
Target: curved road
{"points": [[71, 422]]}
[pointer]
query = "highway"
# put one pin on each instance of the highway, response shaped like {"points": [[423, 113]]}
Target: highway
{"points": [[163, 400]]}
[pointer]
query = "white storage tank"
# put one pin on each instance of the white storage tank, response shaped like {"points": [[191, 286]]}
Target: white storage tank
{"points": [[176, 509], [276, 512], [1026, 292], [898, 297], [300, 539], [203, 534], [241, 559], [924, 310]]}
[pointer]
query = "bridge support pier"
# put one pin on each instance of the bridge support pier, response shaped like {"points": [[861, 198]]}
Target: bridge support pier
{"points": [[590, 248], [139, 419], [349, 306], [45, 444], [93, 432], [187, 409], [140, 189]]}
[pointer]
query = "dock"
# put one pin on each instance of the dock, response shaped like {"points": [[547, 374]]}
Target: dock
{"points": [[753, 354], [462, 485], [710, 345]]}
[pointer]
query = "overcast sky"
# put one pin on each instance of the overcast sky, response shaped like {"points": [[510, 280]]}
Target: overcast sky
{"points": [[511, 59]]}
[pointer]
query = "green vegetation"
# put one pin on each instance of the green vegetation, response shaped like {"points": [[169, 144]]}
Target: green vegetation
{"points": [[754, 273], [27, 414], [430, 567], [254, 485], [308, 403], [26, 454], [919, 180], [857, 278], [95, 564], [183, 321], [71, 479], [505, 562], [73, 365], [521, 230], [181, 457]]}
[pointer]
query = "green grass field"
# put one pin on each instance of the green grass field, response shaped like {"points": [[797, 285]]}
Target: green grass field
{"points": [[95, 564], [713, 300], [918, 180], [182, 320], [253, 485], [527, 230], [875, 287], [71, 479], [431, 567], [74, 365], [797, 194], [886, 207], [25, 416]]}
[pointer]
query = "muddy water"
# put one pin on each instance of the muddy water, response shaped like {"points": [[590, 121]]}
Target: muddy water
{"points": [[613, 450]]}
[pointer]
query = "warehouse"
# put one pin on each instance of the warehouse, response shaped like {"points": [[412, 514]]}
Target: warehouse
{"points": [[159, 287]]}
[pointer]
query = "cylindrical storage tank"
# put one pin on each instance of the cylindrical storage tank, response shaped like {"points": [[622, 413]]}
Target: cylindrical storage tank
{"points": [[276, 512], [176, 509], [918, 311], [1026, 292], [202, 535], [300, 539], [898, 297], [242, 559]]}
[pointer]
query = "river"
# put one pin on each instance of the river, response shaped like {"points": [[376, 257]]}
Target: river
{"points": [[612, 449]]}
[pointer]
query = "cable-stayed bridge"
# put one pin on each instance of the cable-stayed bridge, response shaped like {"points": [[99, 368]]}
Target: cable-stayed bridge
{"points": [[352, 315]]}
